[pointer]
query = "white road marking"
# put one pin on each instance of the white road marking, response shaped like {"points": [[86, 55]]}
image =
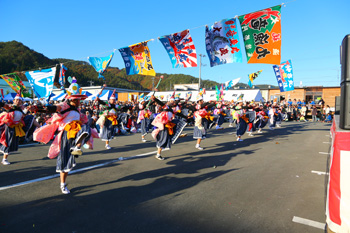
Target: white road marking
{"points": [[326, 142], [319, 173], [324, 153], [28, 182], [75, 171], [309, 222]]}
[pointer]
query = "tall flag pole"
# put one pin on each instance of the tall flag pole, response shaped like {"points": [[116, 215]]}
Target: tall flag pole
{"points": [[154, 91]]}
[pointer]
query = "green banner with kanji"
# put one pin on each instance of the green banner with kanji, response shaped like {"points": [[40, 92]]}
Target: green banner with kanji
{"points": [[262, 35]]}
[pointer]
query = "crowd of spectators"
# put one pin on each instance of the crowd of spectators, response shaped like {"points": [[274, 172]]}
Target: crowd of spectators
{"points": [[290, 110]]}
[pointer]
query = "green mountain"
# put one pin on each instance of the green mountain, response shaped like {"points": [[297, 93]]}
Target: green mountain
{"points": [[16, 57]]}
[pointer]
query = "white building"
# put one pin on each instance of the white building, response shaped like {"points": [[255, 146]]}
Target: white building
{"points": [[186, 87]]}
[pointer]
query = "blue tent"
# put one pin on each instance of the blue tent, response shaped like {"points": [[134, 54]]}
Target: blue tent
{"points": [[104, 95], [59, 96], [86, 93], [10, 96]]}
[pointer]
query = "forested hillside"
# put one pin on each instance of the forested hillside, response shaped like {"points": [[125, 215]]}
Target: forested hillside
{"points": [[16, 57]]}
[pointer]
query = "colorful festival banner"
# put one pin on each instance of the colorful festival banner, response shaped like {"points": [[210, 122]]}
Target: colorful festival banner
{"points": [[262, 35], [284, 76], [231, 83], [222, 92], [180, 49], [101, 63], [188, 95], [252, 77], [219, 93], [41, 81], [62, 76], [222, 43], [137, 59], [16, 84], [240, 97]]}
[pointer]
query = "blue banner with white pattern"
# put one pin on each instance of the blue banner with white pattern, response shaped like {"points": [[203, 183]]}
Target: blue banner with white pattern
{"points": [[284, 76], [42, 81]]}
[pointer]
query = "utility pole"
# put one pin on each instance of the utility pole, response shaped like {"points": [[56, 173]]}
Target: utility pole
{"points": [[200, 65]]}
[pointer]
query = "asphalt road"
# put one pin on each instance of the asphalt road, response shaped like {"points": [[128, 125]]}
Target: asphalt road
{"points": [[258, 185]]}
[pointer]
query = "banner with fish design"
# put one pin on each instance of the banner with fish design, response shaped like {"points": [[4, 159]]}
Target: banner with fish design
{"points": [[222, 42]]}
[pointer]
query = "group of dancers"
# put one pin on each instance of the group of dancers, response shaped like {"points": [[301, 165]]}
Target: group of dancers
{"points": [[70, 129]]}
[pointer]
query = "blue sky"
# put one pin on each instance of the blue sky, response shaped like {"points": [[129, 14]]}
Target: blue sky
{"points": [[312, 32]]}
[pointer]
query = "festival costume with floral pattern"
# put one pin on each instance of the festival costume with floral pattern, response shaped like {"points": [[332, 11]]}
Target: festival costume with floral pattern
{"points": [[108, 122], [72, 127], [12, 127], [241, 121]]}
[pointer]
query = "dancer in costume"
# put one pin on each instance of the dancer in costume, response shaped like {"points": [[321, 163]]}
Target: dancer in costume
{"points": [[168, 129], [278, 114], [144, 117], [180, 119], [74, 132], [261, 119], [229, 113], [108, 120], [251, 115], [124, 124], [219, 115], [202, 120], [241, 121], [272, 118], [11, 126], [188, 108]]}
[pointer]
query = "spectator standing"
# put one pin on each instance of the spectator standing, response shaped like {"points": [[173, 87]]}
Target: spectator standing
{"points": [[299, 104], [314, 113], [327, 110]]}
